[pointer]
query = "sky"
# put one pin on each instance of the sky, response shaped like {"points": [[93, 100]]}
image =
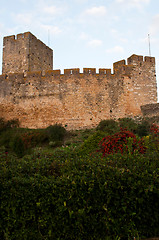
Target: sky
{"points": [[86, 33]]}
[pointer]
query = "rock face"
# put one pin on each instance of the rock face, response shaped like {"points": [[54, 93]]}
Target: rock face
{"points": [[39, 96]]}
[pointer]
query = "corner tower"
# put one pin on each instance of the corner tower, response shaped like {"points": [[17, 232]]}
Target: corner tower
{"points": [[25, 53]]}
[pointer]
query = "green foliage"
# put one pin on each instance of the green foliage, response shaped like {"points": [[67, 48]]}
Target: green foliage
{"points": [[128, 124], [109, 126], [56, 132], [6, 137], [143, 129], [62, 194], [55, 144], [90, 145], [18, 146], [152, 141], [33, 138], [4, 125], [68, 193]]}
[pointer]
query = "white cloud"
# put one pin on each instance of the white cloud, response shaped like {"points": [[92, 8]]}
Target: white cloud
{"points": [[51, 10], [117, 35], [144, 40], [52, 29], [84, 36], [48, 9], [133, 3], [116, 49], [154, 27], [81, 1], [96, 11], [124, 40], [23, 1], [95, 43], [1, 26], [24, 19]]}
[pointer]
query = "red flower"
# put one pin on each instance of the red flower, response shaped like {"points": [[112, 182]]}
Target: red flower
{"points": [[118, 143]]}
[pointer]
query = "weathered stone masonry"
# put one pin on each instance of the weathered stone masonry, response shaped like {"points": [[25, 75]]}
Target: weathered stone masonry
{"points": [[25, 53], [39, 96]]}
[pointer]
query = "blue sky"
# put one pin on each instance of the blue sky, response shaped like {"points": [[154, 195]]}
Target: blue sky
{"points": [[86, 33]]}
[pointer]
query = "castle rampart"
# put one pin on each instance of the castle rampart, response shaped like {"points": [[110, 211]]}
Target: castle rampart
{"points": [[25, 52], [77, 100]]}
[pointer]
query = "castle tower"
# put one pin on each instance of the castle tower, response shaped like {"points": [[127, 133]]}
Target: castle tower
{"points": [[25, 53]]}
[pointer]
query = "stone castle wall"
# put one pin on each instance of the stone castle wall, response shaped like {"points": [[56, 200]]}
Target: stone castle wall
{"points": [[24, 52], [150, 110], [78, 100]]}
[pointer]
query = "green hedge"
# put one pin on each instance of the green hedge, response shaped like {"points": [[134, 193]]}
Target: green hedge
{"points": [[48, 196]]}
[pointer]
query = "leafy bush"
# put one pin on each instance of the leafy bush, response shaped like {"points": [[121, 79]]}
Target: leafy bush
{"points": [[18, 146], [6, 138], [33, 138], [55, 144], [46, 197], [109, 126], [152, 141], [68, 193], [91, 143], [13, 123], [4, 125], [128, 124], [56, 132], [143, 129], [124, 141], [154, 130]]}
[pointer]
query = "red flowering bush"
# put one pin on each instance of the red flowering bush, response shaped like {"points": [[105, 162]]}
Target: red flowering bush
{"points": [[31, 139], [27, 140], [154, 130], [153, 143], [123, 141]]}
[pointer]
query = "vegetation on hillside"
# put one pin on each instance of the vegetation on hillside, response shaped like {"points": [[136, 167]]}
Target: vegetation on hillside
{"points": [[100, 183]]}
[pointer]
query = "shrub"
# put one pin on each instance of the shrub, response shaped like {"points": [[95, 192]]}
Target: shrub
{"points": [[143, 129], [55, 143], [18, 146], [4, 125], [123, 141], [13, 123], [91, 144], [109, 126], [154, 130], [56, 132], [79, 198], [153, 139], [6, 138], [128, 124], [32, 138]]}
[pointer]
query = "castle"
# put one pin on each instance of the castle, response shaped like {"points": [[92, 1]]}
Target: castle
{"points": [[37, 95]]}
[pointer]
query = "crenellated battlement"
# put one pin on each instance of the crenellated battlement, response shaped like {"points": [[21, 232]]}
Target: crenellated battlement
{"points": [[39, 96], [119, 68], [25, 53], [23, 36], [134, 59], [14, 39]]}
